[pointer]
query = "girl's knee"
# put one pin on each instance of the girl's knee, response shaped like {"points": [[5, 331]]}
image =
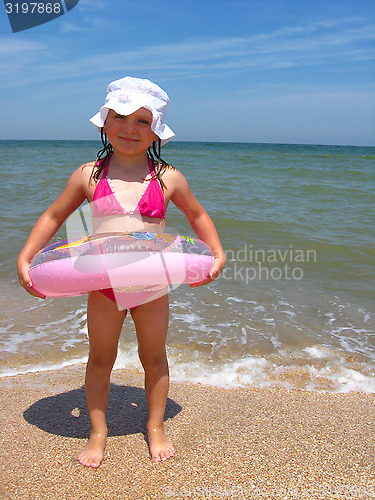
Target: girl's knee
{"points": [[152, 361], [101, 364]]}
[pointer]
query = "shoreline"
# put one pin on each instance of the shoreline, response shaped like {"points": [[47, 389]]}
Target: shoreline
{"points": [[258, 373], [230, 443]]}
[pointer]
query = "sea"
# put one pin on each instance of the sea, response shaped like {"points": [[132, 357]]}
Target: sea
{"points": [[294, 308]]}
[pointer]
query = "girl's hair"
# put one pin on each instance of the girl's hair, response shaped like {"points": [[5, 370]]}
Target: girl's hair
{"points": [[103, 156]]}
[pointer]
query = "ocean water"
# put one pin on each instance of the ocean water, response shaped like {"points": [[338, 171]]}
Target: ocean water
{"points": [[294, 307]]}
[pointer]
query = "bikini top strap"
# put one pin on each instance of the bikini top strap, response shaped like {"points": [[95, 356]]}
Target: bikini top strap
{"points": [[105, 170], [151, 167]]}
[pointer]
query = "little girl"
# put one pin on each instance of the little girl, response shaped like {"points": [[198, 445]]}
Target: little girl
{"points": [[129, 180]]}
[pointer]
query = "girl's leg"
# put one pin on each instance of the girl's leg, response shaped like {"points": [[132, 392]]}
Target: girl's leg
{"points": [[151, 323], [104, 322]]}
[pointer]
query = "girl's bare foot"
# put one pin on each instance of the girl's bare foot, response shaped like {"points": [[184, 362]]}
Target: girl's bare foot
{"points": [[93, 453], [160, 446]]}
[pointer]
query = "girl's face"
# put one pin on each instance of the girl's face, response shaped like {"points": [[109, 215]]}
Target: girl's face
{"points": [[132, 134]]}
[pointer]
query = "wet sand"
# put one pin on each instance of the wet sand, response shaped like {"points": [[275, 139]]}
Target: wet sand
{"points": [[237, 443]]}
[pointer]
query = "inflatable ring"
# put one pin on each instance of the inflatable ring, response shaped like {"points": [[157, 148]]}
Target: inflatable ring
{"points": [[119, 260]]}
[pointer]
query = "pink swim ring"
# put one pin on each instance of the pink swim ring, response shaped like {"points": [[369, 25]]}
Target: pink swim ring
{"points": [[140, 259]]}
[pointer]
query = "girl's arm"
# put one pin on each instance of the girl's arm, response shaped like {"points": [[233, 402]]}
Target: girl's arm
{"points": [[200, 221], [48, 224]]}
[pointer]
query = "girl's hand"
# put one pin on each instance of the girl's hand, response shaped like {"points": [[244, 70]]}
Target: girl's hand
{"points": [[218, 266], [25, 280]]}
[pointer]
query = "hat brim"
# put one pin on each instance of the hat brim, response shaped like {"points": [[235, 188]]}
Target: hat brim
{"points": [[160, 129]]}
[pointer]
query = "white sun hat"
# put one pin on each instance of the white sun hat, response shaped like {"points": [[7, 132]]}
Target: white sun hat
{"points": [[127, 95]]}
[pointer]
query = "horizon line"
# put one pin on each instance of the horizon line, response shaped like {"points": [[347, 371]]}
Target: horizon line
{"points": [[204, 142]]}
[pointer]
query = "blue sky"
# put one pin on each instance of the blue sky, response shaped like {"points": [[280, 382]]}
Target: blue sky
{"points": [[287, 71]]}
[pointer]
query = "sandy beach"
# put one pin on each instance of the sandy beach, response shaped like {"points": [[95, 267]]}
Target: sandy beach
{"points": [[238, 443]]}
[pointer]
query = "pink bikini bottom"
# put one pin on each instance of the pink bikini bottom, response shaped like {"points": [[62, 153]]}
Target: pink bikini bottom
{"points": [[130, 299]]}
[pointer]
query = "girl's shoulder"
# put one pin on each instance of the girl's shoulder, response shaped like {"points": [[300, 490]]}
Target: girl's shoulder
{"points": [[171, 174], [86, 171], [90, 164], [175, 183], [81, 176], [87, 167]]}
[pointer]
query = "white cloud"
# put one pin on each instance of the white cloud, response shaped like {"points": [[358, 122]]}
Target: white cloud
{"points": [[299, 46], [11, 47]]}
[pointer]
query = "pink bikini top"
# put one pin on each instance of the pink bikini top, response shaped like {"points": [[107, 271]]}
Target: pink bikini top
{"points": [[105, 201]]}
